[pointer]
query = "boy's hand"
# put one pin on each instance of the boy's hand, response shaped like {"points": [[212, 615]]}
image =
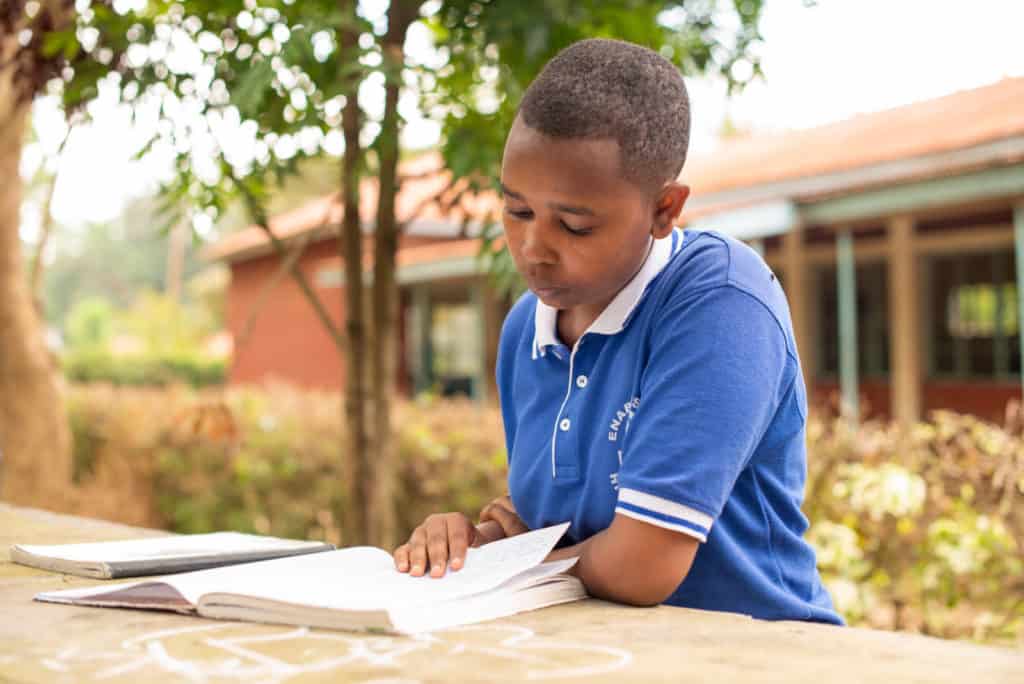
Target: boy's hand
{"points": [[441, 541], [502, 512]]}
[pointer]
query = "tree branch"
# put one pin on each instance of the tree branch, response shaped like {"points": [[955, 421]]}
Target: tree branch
{"points": [[261, 299], [36, 272], [259, 217]]}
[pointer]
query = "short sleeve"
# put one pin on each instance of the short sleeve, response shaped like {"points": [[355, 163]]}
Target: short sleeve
{"points": [[509, 344], [713, 383]]}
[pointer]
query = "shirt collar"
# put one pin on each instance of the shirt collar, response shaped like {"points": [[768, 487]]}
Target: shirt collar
{"points": [[613, 319]]}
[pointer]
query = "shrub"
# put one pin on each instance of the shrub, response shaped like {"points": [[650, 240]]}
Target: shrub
{"points": [[144, 369], [919, 532]]}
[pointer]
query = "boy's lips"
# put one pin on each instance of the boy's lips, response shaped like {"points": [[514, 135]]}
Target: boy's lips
{"points": [[547, 292]]}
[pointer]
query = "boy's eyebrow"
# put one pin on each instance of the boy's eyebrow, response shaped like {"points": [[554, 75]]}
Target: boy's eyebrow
{"points": [[511, 193], [567, 208]]}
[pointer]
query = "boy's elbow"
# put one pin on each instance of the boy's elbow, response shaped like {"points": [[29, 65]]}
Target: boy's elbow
{"points": [[636, 563], [646, 591], [643, 585]]}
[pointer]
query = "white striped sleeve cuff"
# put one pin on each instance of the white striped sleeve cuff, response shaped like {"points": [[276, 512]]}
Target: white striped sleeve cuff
{"points": [[664, 513]]}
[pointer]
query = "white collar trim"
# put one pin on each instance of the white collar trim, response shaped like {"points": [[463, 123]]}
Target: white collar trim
{"points": [[613, 319]]}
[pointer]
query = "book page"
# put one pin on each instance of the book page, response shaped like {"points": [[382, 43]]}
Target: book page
{"points": [[366, 579], [155, 548], [358, 564], [359, 578]]}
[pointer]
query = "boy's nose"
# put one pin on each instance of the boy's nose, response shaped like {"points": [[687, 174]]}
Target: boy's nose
{"points": [[535, 248]]}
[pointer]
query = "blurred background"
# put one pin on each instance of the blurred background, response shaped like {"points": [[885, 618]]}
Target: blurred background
{"points": [[252, 273]]}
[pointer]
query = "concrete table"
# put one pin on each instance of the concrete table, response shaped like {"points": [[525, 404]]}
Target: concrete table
{"points": [[589, 641]]}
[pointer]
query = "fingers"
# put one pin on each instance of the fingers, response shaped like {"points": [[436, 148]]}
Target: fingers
{"points": [[503, 512], [487, 532], [459, 539], [401, 556], [418, 551], [437, 545], [506, 502], [440, 542]]}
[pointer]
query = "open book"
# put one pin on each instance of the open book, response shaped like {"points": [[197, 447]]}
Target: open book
{"points": [[160, 555], [358, 589]]}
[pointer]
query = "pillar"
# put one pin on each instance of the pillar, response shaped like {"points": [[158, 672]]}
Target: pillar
{"points": [[798, 291], [905, 329], [846, 274]]}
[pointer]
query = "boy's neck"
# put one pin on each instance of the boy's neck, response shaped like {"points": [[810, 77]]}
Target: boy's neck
{"points": [[572, 323]]}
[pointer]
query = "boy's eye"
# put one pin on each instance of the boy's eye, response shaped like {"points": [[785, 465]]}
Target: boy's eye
{"points": [[521, 214], [527, 214], [575, 231]]}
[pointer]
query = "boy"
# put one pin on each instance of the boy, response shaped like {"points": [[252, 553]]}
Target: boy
{"points": [[649, 381]]}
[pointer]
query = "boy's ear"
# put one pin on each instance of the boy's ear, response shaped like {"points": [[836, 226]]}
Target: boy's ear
{"points": [[667, 207]]}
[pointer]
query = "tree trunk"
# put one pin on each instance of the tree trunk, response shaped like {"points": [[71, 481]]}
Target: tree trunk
{"points": [[385, 289], [35, 441], [351, 247]]}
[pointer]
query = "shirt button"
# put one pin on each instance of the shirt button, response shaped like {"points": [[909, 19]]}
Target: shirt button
{"points": [[581, 381], [564, 425]]}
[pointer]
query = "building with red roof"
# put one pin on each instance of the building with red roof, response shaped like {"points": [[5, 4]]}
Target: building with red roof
{"points": [[898, 236]]}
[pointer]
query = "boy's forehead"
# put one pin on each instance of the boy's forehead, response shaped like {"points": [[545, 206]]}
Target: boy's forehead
{"points": [[528, 150]]}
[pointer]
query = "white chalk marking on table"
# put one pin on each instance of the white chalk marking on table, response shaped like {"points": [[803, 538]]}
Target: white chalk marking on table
{"points": [[51, 664], [169, 663], [515, 644], [526, 638], [118, 670], [128, 643], [621, 657]]}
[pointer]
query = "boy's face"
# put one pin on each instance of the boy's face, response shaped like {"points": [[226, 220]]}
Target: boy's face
{"points": [[577, 230]]}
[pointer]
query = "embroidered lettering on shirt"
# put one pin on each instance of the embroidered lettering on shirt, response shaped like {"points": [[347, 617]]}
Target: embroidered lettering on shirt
{"points": [[622, 416], [626, 411]]}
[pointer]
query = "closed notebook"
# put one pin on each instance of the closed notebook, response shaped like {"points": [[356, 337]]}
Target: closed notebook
{"points": [[358, 589], [160, 555]]}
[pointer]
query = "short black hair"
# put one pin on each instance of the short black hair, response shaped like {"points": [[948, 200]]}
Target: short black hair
{"points": [[611, 89]]}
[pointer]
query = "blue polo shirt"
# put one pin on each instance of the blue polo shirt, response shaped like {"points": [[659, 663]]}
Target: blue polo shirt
{"points": [[683, 406]]}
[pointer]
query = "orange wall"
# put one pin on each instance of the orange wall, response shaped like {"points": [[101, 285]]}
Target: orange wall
{"points": [[984, 399], [287, 340]]}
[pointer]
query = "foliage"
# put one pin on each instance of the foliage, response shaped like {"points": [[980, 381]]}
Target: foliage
{"points": [[921, 534], [90, 325], [494, 50], [271, 73], [112, 261], [157, 341], [244, 90], [922, 531], [266, 461], [143, 369], [164, 326]]}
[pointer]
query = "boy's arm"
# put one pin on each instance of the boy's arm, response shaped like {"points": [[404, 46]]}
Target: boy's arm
{"points": [[629, 562], [632, 561]]}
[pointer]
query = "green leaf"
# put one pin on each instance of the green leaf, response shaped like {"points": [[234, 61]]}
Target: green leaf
{"points": [[252, 89]]}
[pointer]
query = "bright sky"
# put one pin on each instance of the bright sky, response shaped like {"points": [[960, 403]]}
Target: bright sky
{"points": [[822, 63]]}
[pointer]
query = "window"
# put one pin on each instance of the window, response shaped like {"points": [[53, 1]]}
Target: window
{"points": [[444, 340], [872, 320], [981, 310], [972, 315], [456, 346]]}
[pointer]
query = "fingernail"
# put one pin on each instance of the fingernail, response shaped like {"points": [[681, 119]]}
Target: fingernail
{"points": [[417, 568], [403, 566], [437, 570], [456, 563]]}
